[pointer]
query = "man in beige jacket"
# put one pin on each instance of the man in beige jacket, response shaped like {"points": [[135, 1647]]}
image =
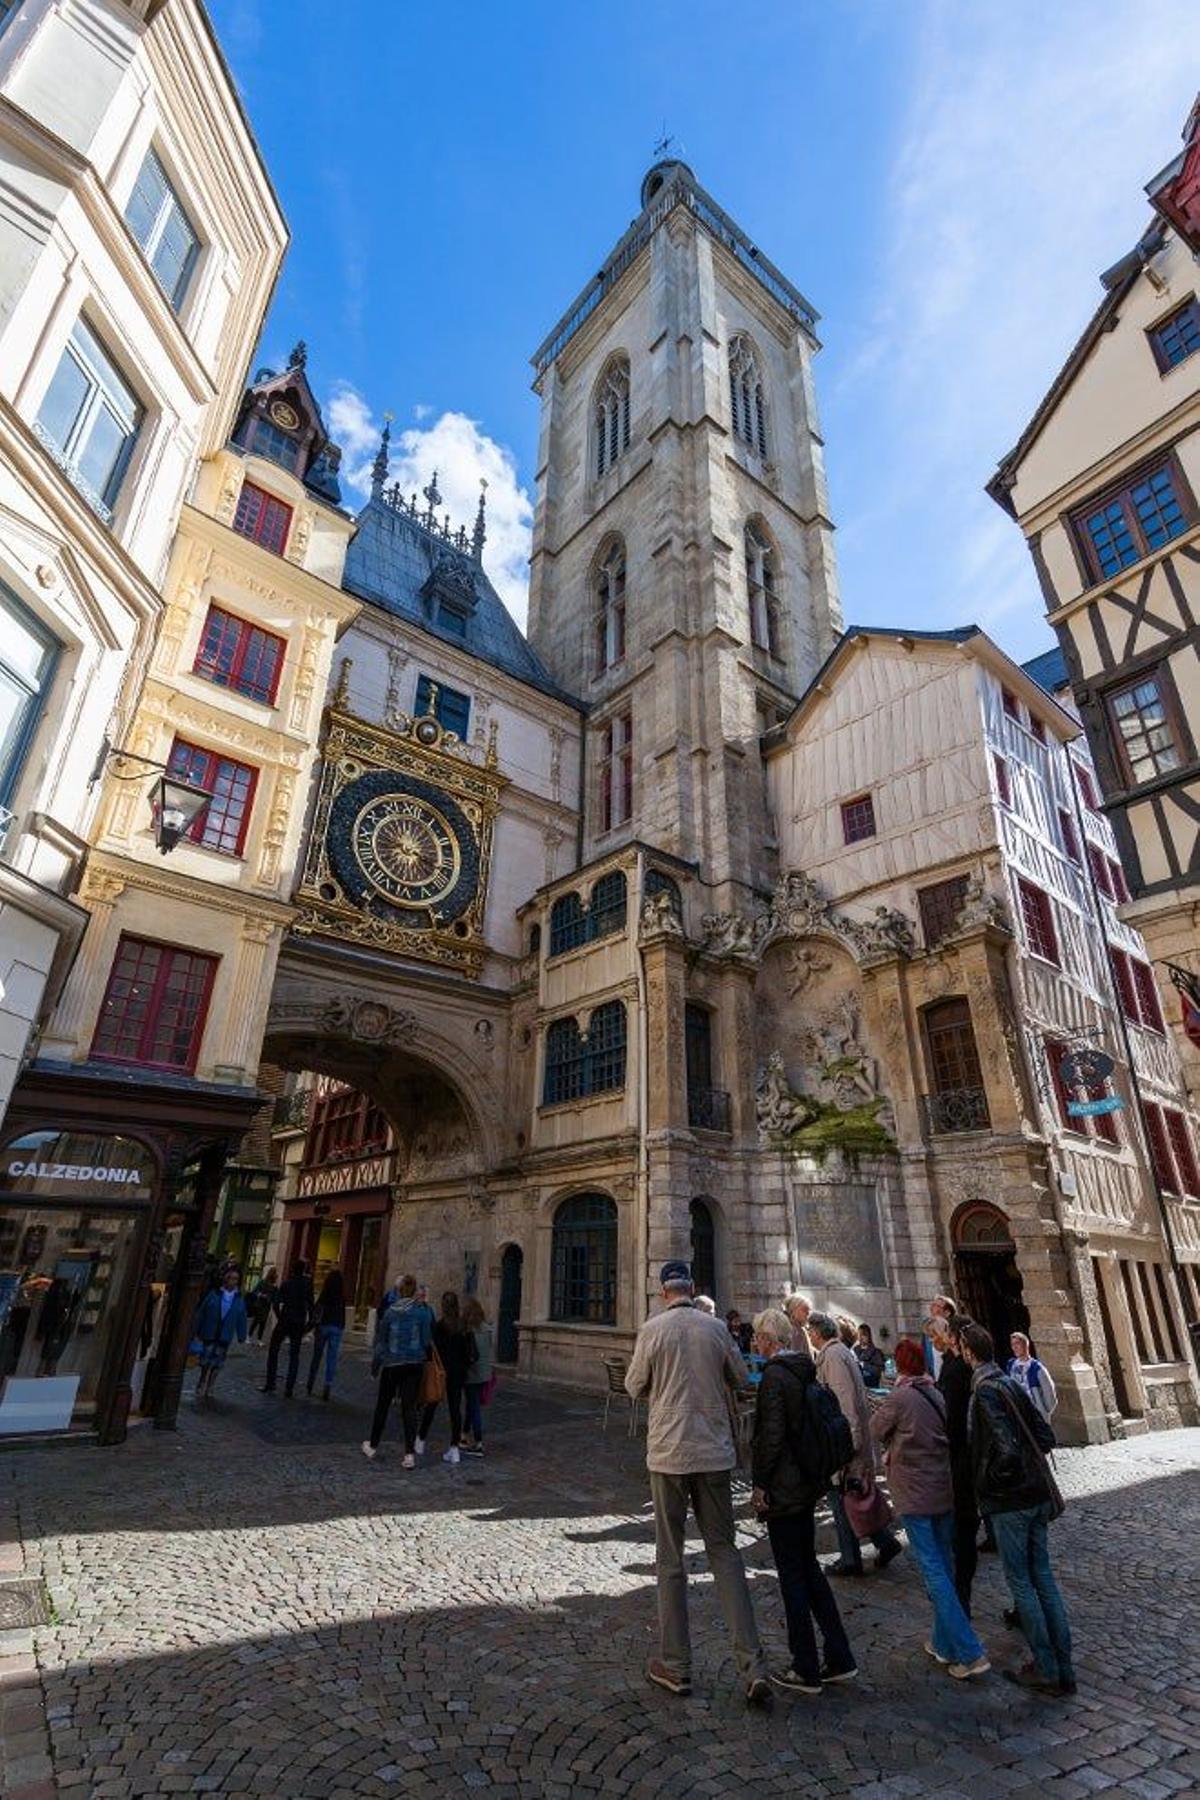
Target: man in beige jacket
{"points": [[838, 1370], [690, 1367]]}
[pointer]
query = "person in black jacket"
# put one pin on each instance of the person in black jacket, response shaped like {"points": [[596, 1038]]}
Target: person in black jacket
{"points": [[456, 1347], [788, 1482], [293, 1312], [329, 1322], [1008, 1440], [954, 1384]]}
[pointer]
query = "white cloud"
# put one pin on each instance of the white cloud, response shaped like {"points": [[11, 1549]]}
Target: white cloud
{"points": [[462, 455], [1017, 178]]}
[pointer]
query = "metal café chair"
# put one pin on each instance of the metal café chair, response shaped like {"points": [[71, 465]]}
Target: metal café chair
{"points": [[614, 1369]]}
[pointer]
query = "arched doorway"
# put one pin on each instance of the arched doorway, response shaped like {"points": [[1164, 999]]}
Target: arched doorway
{"points": [[704, 1249], [510, 1303], [987, 1281]]}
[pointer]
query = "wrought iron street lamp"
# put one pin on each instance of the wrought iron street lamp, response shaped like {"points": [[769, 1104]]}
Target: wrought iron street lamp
{"points": [[175, 805]]}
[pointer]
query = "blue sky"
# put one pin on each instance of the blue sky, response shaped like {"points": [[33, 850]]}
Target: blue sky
{"points": [[945, 183]]}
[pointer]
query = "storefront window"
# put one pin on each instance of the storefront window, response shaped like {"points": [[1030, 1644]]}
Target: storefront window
{"points": [[68, 1242]]}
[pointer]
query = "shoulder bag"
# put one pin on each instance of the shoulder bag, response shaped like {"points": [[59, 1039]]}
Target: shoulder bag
{"points": [[433, 1379], [1058, 1505]]}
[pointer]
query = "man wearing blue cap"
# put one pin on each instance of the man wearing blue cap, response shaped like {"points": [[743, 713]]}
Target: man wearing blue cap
{"points": [[688, 1364]]}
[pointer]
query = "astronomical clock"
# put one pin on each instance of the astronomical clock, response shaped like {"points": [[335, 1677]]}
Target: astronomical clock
{"points": [[401, 841]]}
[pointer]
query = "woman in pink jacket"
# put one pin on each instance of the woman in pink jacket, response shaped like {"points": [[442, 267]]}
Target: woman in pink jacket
{"points": [[910, 1426]]}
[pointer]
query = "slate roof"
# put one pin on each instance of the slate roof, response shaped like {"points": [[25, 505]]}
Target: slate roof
{"points": [[1049, 670], [397, 562]]}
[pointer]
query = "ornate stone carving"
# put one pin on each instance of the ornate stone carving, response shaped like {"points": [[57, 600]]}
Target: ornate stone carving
{"points": [[358, 1016], [981, 907], [231, 487], [803, 964], [728, 934], [101, 888], [800, 910], [301, 533], [778, 1108], [485, 1033], [659, 916]]}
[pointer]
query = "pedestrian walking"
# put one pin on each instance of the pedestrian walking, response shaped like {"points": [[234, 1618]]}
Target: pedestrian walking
{"points": [[942, 1307], [329, 1322], [261, 1300], [871, 1359], [293, 1306], [452, 1341], [838, 1370], [910, 1426], [398, 1358], [800, 1439], [220, 1318], [481, 1373], [690, 1366], [1016, 1489], [954, 1385], [1031, 1375]]}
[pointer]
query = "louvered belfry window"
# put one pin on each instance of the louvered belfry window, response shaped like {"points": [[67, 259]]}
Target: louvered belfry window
{"points": [[611, 413], [747, 401]]}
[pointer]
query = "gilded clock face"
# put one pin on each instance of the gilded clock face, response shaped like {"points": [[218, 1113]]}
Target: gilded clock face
{"points": [[406, 850], [400, 845], [285, 416]]}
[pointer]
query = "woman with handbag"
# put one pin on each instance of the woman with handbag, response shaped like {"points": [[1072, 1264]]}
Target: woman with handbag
{"points": [[453, 1344], [910, 1426], [481, 1378], [401, 1351]]}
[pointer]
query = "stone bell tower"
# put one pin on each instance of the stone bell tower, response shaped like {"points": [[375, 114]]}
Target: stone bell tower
{"points": [[683, 575]]}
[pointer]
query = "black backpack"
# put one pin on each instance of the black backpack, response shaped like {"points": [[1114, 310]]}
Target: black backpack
{"points": [[829, 1442]]}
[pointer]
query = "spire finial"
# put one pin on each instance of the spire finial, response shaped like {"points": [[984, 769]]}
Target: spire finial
{"points": [[479, 535], [299, 357], [379, 468], [432, 496]]}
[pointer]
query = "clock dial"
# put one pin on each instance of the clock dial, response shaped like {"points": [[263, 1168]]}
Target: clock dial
{"points": [[285, 416], [406, 849]]}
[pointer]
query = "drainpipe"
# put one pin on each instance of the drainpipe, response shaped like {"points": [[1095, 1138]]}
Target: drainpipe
{"points": [[1143, 1133], [642, 1180]]}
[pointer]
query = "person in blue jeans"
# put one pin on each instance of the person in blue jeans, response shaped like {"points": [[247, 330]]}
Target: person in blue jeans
{"points": [[910, 1427], [1009, 1439], [329, 1322]]}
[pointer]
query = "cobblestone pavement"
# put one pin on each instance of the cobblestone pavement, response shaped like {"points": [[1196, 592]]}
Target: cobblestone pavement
{"points": [[248, 1607]]}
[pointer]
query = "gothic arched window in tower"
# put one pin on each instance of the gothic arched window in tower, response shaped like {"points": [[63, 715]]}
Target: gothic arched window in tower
{"points": [[609, 590], [610, 412], [762, 589], [747, 403]]}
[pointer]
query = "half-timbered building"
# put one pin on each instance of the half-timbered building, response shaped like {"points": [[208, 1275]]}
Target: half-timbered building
{"points": [[1105, 483]]}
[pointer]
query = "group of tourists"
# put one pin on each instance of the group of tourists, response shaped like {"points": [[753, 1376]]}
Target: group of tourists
{"points": [[422, 1360], [961, 1440]]}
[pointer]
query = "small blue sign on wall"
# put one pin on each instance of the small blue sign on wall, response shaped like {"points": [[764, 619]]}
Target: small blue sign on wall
{"points": [[1087, 1109]]}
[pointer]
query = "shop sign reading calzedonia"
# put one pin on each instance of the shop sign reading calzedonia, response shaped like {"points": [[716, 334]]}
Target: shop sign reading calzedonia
{"points": [[69, 1165]]}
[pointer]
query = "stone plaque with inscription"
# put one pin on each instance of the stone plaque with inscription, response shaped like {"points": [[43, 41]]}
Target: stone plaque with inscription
{"points": [[837, 1232]]}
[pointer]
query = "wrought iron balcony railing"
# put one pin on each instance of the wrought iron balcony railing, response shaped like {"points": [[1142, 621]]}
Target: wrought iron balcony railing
{"points": [[957, 1109], [708, 1109], [292, 1110]]}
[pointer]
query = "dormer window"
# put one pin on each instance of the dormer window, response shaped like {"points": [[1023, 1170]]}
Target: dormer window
{"points": [[273, 435]]}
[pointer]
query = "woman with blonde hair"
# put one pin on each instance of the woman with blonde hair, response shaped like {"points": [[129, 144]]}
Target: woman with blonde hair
{"points": [[481, 1377]]}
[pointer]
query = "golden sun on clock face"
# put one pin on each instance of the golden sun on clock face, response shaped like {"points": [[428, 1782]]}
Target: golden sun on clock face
{"points": [[406, 850]]}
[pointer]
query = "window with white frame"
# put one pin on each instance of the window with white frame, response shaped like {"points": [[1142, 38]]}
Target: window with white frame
{"points": [[27, 656], [610, 607], [761, 590], [90, 419], [610, 413], [156, 217], [747, 400]]}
